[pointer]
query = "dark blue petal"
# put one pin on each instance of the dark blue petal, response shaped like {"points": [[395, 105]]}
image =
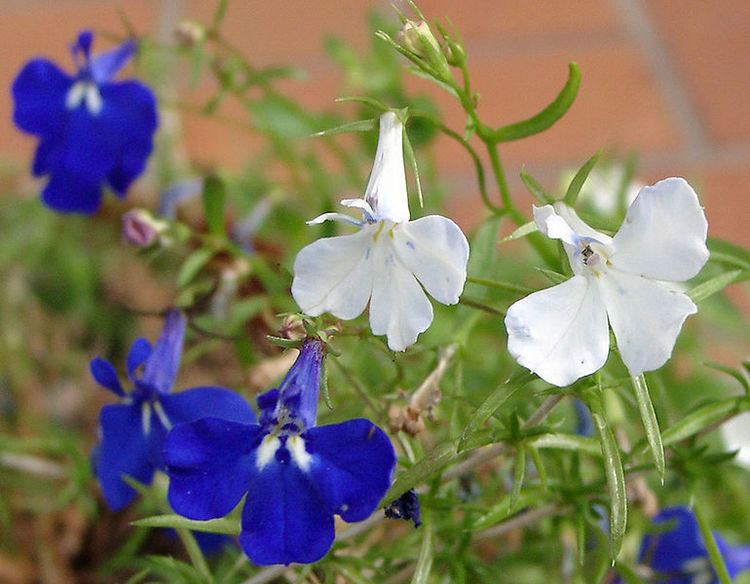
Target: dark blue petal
{"points": [[284, 519], [207, 402], [39, 93], [124, 450], [106, 376], [352, 466], [67, 194], [298, 392], [210, 464], [139, 352], [406, 507], [584, 421], [667, 551], [105, 66], [81, 49], [44, 152], [164, 362], [129, 119]]}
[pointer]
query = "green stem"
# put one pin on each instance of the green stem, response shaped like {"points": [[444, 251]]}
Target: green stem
{"points": [[480, 306], [717, 561], [505, 286], [502, 184], [194, 552]]}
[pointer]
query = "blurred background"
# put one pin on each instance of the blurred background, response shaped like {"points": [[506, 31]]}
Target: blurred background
{"points": [[666, 80]]}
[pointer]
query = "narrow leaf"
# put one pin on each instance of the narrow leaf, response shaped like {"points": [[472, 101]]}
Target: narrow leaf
{"points": [[501, 510], [714, 554], [375, 104], [522, 231], [412, 158], [575, 185], [733, 373], [728, 253], [548, 116], [219, 14], [650, 423], [536, 189], [358, 126], [700, 419], [214, 196], [224, 525], [716, 284], [193, 264], [519, 472], [436, 459], [426, 555], [618, 501], [572, 442]]}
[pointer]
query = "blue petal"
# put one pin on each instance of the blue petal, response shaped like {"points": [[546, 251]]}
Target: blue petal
{"points": [[737, 558], [105, 66], [207, 402], [352, 466], [43, 155], [667, 551], [67, 194], [284, 519], [82, 47], [39, 93], [124, 450], [139, 352], [298, 392], [210, 464], [106, 376], [164, 362], [129, 119], [584, 421]]}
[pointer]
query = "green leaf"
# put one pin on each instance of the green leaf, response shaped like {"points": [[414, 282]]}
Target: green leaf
{"points": [[214, 196], [716, 284], [575, 185], [224, 525], [358, 126], [650, 423], [192, 265], [618, 499], [375, 104], [700, 419], [502, 509], [728, 253], [560, 441], [548, 116], [412, 158], [426, 554], [519, 472], [536, 189], [733, 373], [219, 14], [714, 554], [436, 459], [522, 231]]}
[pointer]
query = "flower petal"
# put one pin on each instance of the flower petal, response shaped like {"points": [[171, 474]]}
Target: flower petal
{"points": [[335, 275], [210, 463], [399, 308], [664, 233], [206, 402], [735, 433], [435, 250], [162, 366], [284, 519], [646, 317], [386, 188], [560, 333], [124, 450], [667, 551], [39, 93], [105, 66], [68, 193], [352, 466], [106, 376], [139, 352]]}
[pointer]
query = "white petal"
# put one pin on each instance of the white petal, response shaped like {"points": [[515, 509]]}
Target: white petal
{"points": [[435, 250], [334, 217], [362, 205], [334, 275], [646, 317], [736, 435], [399, 307], [560, 333], [386, 189], [664, 233]]}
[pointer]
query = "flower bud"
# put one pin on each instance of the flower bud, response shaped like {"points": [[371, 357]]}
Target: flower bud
{"points": [[418, 38], [141, 229], [189, 33]]}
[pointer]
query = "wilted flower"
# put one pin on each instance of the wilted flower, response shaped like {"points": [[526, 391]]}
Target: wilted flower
{"points": [[141, 229], [406, 507], [296, 475], [385, 262], [93, 130], [678, 554], [561, 333], [132, 432]]}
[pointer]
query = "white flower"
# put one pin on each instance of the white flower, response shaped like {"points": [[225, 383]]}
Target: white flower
{"points": [[387, 259], [602, 187], [561, 333], [736, 435]]}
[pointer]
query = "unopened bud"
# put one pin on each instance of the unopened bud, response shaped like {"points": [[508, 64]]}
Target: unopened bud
{"points": [[189, 33], [418, 38], [141, 229]]}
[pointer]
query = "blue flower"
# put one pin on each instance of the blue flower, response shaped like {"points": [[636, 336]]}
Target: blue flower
{"points": [[406, 507], [93, 130], [296, 475], [132, 432], [678, 554]]}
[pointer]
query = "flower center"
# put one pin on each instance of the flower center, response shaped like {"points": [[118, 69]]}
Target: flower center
{"points": [[593, 255], [283, 448], [86, 92]]}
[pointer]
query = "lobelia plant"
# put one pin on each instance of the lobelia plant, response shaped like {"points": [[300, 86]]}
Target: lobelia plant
{"points": [[492, 481]]}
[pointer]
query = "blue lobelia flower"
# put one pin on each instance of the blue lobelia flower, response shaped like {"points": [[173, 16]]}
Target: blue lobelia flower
{"points": [[296, 475], [93, 130], [678, 555], [133, 431]]}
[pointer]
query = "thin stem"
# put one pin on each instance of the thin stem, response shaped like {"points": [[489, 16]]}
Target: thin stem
{"points": [[502, 184], [717, 561], [480, 306], [194, 552], [505, 286], [521, 520]]}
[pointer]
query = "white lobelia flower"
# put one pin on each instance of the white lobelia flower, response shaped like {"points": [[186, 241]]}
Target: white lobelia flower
{"points": [[736, 435], [387, 259], [561, 333]]}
